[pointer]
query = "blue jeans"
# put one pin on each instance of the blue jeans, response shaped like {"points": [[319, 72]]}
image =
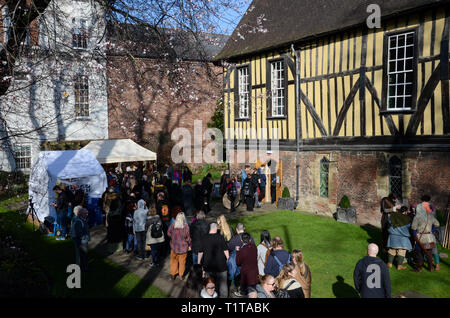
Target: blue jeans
{"points": [[131, 238], [61, 220], [156, 252], [194, 258]]}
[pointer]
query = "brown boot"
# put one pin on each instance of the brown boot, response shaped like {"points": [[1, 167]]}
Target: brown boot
{"points": [[401, 267], [389, 265]]}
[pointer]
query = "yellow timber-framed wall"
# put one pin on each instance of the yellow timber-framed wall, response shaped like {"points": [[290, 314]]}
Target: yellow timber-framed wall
{"points": [[341, 85]]}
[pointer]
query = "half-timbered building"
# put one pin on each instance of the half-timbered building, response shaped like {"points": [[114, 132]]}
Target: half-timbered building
{"points": [[359, 110]]}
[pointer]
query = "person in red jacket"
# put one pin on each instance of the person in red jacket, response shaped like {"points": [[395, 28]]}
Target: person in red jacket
{"points": [[247, 258]]}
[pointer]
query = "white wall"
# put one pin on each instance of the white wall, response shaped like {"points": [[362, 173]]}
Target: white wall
{"points": [[49, 102]]}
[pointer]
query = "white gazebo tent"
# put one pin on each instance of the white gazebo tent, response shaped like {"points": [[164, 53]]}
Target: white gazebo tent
{"points": [[119, 150], [69, 167]]}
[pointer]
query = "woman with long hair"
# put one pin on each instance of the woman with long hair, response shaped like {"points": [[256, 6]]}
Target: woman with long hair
{"points": [[286, 280], [225, 229], [180, 244], [263, 249], [303, 272], [194, 283]]}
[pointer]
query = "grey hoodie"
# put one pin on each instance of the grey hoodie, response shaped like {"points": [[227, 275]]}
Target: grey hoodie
{"points": [[140, 217], [262, 293]]}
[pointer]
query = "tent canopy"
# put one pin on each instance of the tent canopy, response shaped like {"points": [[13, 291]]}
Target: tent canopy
{"points": [[119, 150], [70, 167]]}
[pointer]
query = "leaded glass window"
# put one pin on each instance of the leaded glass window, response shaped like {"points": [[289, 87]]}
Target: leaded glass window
{"points": [[324, 171], [278, 88], [400, 69], [395, 176], [22, 154], [244, 93], [81, 84]]}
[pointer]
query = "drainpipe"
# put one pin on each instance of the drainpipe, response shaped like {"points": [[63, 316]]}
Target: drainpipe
{"points": [[298, 121]]}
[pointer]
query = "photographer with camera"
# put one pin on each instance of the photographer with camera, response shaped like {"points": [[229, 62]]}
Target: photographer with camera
{"points": [[61, 205]]}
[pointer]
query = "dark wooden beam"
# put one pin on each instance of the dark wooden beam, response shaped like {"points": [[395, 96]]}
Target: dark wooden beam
{"points": [[313, 113], [389, 121], [347, 103], [424, 98]]}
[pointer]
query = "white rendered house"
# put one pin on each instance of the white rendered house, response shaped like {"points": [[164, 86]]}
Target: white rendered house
{"points": [[59, 87]]}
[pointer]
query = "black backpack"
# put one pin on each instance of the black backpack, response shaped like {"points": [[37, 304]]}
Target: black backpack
{"points": [[246, 187], [156, 230], [283, 292]]}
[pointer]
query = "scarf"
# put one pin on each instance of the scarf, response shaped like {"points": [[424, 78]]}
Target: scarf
{"points": [[399, 219]]}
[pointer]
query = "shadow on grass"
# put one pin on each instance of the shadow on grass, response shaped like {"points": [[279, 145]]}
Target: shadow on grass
{"points": [[375, 237], [343, 290], [104, 280]]}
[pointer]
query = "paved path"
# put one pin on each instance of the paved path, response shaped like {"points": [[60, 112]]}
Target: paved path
{"points": [[160, 277]]}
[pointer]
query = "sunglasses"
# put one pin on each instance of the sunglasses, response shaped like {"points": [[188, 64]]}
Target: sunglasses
{"points": [[214, 287]]}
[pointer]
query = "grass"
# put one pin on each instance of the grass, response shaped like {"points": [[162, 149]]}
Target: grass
{"points": [[53, 257], [215, 170], [332, 250]]}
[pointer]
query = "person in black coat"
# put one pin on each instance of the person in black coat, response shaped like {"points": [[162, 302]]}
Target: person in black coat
{"points": [[175, 194], [199, 197], [188, 198], [255, 179], [207, 190], [198, 230], [371, 276], [187, 174], [249, 188]]}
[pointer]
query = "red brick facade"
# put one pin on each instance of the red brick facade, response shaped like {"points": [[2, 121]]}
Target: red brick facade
{"points": [[149, 98], [364, 178]]}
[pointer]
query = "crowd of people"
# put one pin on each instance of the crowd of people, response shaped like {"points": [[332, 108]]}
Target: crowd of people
{"points": [[229, 262], [156, 216]]}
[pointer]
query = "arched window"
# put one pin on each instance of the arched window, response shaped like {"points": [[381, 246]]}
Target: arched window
{"points": [[395, 176], [324, 169]]}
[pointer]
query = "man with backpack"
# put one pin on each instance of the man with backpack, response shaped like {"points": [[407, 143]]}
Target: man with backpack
{"points": [[155, 236], [256, 180], [248, 190], [277, 257], [231, 193]]}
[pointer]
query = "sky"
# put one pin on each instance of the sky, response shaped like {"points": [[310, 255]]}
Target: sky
{"points": [[232, 18]]}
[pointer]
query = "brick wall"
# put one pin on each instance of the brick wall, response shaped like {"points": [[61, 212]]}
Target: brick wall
{"points": [[149, 98], [364, 178]]}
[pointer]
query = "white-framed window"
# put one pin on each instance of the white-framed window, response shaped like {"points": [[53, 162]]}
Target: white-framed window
{"points": [[400, 71], [22, 156], [244, 92], [79, 34], [81, 88], [278, 87]]}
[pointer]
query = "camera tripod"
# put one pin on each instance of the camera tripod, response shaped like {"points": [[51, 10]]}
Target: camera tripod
{"points": [[31, 211]]}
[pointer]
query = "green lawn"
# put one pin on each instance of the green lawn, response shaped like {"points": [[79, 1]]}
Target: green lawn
{"points": [[52, 257], [332, 249]]}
